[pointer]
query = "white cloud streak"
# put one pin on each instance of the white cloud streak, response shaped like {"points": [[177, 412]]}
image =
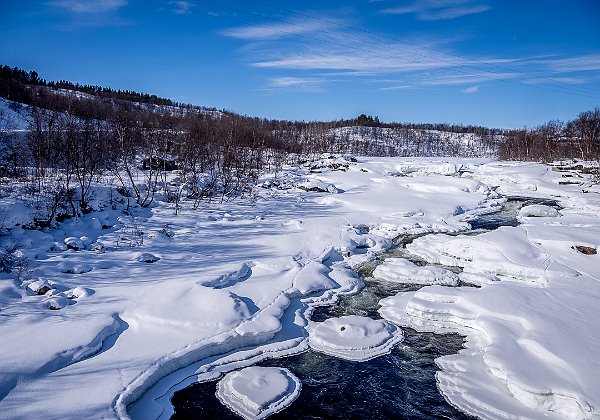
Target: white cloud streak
{"points": [[439, 9], [323, 57], [88, 6], [271, 31]]}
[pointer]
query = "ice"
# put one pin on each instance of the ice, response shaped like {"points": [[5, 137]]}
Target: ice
{"points": [[400, 270], [538, 210], [258, 392], [354, 337]]}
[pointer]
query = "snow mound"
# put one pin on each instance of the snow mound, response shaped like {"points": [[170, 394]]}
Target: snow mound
{"points": [[78, 292], [319, 186], [538, 210], [68, 267], [314, 278], [354, 337], [162, 307], [229, 279], [257, 392], [147, 257], [56, 302], [74, 243], [510, 356], [39, 287], [505, 252], [399, 270]]}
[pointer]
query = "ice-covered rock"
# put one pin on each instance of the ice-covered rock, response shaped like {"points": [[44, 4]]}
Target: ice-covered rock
{"points": [[319, 186], [257, 392], [147, 257], [74, 243], [354, 337], [78, 292], [39, 287], [538, 210], [69, 267], [400, 270], [56, 302]]}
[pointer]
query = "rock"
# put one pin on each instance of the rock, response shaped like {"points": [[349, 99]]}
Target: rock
{"points": [[39, 287], [74, 243], [56, 302], [147, 257], [587, 250]]}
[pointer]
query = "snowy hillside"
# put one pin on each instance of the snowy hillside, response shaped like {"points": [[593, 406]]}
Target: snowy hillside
{"points": [[13, 116], [108, 315], [400, 141]]}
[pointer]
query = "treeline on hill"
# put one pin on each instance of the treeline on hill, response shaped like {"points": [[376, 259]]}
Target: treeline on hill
{"points": [[79, 135], [579, 138]]}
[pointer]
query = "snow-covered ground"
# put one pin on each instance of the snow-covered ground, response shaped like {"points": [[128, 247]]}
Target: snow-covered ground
{"points": [[151, 302]]}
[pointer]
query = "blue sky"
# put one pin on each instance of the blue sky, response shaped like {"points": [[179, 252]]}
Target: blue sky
{"points": [[494, 63]]}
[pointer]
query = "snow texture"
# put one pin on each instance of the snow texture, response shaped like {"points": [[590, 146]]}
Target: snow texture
{"points": [[237, 282], [399, 270], [354, 337], [257, 392]]}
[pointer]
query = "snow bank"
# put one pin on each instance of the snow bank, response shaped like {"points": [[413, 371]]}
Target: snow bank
{"points": [[505, 252], [354, 337], [400, 270], [257, 392], [513, 364], [538, 210], [313, 278]]}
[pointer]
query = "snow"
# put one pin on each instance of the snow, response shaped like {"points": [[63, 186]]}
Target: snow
{"points": [[538, 210], [232, 289], [399, 270], [257, 392], [354, 337]]}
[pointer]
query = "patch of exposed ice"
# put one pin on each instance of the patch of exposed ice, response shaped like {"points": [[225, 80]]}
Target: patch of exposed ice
{"points": [[258, 392]]}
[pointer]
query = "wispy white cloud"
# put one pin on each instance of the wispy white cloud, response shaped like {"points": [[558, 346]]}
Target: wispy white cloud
{"points": [[181, 7], [439, 9], [307, 84], [88, 6], [338, 55], [374, 60], [271, 31], [589, 62]]}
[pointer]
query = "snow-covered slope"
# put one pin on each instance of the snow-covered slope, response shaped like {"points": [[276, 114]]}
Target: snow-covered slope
{"points": [[400, 141], [231, 284]]}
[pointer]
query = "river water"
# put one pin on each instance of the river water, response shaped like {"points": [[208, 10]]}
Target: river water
{"points": [[399, 385]]}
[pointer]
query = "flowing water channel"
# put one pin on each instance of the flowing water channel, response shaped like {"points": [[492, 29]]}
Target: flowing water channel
{"points": [[399, 385]]}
